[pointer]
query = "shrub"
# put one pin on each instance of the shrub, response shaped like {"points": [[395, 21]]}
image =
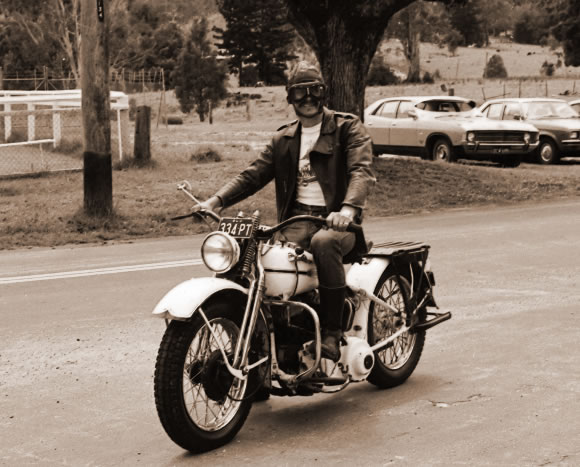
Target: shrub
{"points": [[547, 69], [495, 68], [203, 155], [17, 136], [173, 120], [67, 146], [428, 78], [380, 74]]}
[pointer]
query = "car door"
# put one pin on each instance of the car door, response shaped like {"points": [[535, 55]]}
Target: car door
{"points": [[379, 123], [403, 135]]}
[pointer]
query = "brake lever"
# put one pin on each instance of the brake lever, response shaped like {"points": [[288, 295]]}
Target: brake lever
{"points": [[185, 216]]}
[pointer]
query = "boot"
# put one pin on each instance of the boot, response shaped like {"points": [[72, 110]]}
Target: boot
{"points": [[330, 346], [331, 310]]}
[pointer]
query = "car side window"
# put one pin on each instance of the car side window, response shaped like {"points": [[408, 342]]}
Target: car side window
{"points": [[511, 111], [388, 109], [404, 108], [494, 111]]}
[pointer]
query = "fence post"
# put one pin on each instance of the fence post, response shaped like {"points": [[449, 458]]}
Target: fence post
{"points": [[142, 147], [7, 122], [249, 109], [31, 123], [56, 127], [124, 146]]}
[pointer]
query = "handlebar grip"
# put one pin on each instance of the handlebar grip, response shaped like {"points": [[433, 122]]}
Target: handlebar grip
{"points": [[354, 228]]}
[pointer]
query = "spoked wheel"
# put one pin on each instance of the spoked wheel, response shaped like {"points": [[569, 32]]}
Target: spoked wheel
{"points": [[395, 362], [200, 404]]}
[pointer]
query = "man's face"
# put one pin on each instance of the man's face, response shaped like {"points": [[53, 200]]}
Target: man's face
{"points": [[307, 99]]}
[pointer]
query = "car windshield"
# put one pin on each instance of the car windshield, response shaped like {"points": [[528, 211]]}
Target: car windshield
{"points": [[445, 106], [549, 109]]}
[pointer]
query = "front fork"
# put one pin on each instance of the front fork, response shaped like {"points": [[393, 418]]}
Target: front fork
{"points": [[239, 367]]}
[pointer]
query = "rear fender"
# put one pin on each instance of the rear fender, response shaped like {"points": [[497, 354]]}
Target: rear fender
{"points": [[181, 302]]}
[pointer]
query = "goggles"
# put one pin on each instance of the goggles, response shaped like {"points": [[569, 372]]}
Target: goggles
{"points": [[298, 93]]}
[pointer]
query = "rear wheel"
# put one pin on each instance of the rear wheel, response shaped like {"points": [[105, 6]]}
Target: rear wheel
{"points": [[396, 362], [442, 151], [547, 152], [200, 404]]}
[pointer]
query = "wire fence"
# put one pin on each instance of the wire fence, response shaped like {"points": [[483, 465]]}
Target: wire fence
{"points": [[45, 79], [37, 135]]}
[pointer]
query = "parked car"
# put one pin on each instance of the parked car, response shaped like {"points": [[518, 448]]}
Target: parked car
{"points": [[558, 122], [575, 105], [446, 128]]}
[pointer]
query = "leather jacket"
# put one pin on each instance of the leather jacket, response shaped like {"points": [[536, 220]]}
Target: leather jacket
{"points": [[341, 159]]}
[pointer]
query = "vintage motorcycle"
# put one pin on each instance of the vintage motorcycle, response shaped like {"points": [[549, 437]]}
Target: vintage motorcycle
{"points": [[252, 328]]}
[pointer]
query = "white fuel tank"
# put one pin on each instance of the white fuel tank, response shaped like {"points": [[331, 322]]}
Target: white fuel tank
{"points": [[287, 273]]}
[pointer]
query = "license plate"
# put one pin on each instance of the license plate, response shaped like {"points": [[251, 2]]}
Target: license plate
{"points": [[237, 227], [502, 150]]}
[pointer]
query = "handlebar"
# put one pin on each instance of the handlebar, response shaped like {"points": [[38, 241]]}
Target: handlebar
{"points": [[352, 227], [266, 232]]}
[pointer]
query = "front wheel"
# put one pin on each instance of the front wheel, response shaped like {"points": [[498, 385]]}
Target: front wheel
{"points": [[442, 151], [547, 152], [396, 362], [200, 404]]}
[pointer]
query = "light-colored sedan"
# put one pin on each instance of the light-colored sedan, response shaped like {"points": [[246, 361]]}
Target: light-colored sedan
{"points": [[558, 122], [575, 105], [446, 128]]}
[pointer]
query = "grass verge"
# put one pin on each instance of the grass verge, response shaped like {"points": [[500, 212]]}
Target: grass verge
{"points": [[47, 211]]}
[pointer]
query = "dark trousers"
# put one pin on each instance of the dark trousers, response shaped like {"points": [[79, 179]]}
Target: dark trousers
{"points": [[327, 246]]}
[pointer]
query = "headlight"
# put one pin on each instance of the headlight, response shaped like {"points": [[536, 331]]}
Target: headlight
{"points": [[220, 252], [574, 134], [527, 138], [471, 136]]}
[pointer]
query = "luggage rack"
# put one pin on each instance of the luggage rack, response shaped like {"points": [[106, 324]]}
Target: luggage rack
{"points": [[399, 248]]}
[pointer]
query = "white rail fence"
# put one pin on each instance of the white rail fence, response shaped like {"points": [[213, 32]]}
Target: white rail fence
{"points": [[42, 130]]}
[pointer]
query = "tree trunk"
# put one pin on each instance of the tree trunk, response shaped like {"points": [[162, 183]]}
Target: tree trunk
{"points": [[414, 75], [97, 170], [344, 36]]}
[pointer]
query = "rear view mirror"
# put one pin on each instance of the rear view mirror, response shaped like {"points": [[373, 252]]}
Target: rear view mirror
{"points": [[412, 113]]}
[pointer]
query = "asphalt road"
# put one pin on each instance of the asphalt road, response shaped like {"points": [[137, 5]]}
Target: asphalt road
{"points": [[498, 385]]}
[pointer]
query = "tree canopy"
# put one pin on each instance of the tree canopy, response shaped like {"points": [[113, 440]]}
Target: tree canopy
{"points": [[198, 76], [344, 35], [257, 34]]}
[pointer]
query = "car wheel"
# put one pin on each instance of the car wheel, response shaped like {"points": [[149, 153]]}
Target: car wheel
{"points": [[442, 151], [547, 152]]}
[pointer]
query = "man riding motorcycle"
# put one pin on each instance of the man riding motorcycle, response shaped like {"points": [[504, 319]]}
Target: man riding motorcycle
{"points": [[321, 165]]}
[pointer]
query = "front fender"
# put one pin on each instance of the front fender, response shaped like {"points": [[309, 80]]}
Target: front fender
{"points": [[182, 301]]}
